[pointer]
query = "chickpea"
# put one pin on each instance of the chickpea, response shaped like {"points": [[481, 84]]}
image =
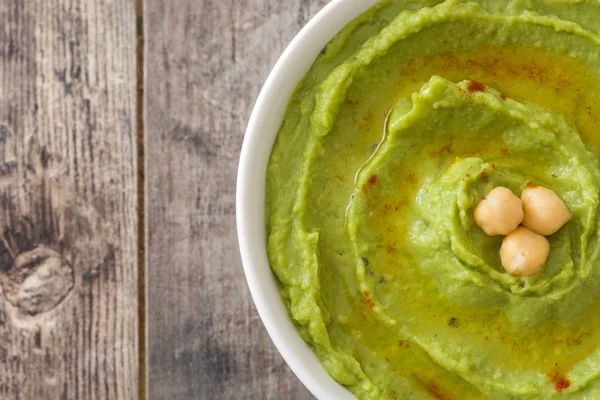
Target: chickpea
{"points": [[524, 252], [499, 213], [544, 212]]}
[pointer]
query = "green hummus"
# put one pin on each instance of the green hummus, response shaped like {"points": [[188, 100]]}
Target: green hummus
{"points": [[408, 118]]}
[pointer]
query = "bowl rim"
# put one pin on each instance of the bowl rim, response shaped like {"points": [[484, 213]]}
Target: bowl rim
{"points": [[261, 132]]}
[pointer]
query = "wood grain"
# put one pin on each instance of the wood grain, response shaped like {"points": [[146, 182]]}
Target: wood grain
{"points": [[68, 223], [205, 64]]}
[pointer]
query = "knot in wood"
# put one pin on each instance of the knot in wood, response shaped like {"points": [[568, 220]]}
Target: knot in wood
{"points": [[37, 281]]}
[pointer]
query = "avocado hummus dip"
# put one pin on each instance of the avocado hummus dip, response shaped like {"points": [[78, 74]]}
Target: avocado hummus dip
{"points": [[406, 120]]}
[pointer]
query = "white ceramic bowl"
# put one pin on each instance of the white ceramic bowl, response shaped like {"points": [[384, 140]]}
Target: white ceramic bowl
{"points": [[260, 136]]}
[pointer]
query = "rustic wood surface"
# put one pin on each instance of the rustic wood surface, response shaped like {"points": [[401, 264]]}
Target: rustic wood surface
{"points": [[68, 188], [71, 99], [205, 62]]}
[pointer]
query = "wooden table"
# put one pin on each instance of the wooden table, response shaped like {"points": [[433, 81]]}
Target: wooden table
{"points": [[121, 123]]}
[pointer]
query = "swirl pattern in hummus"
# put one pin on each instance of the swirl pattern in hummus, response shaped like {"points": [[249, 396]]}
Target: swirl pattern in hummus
{"points": [[412, 113]]}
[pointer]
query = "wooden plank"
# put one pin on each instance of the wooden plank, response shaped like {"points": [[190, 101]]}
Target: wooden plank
{"points": [[205, 64], [68, 223]]}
